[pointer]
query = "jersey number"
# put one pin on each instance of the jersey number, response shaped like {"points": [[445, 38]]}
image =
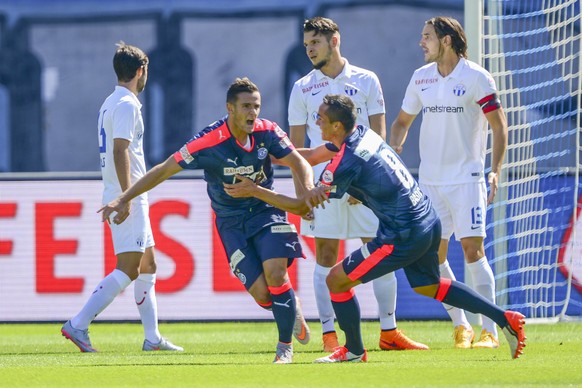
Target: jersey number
{"points": [[401, 172]]}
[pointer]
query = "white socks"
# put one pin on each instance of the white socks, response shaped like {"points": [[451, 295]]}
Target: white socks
{"points": [[102, 297], [484, 284], [457, 315], [322, 298], [145, 299], [385, 292]]}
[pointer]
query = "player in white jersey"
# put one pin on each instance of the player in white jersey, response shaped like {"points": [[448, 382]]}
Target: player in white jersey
{"points": [[120, 129], [346, 217], [457, 98]]}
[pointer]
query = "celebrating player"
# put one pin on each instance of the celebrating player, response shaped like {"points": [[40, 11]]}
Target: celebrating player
{"points": [[120, 130], [345, 217], [458, 98], [408, 236], [260, 244]]}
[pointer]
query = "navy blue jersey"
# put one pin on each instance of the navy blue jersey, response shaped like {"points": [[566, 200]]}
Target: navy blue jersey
{"points": [[368, 169], [222, 157]]}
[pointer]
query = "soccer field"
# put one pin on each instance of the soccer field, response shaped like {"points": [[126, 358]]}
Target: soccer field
{"points": [[240, 354]]}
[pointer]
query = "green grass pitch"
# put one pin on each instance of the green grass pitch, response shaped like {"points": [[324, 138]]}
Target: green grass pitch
{"points": [[240, 354]]}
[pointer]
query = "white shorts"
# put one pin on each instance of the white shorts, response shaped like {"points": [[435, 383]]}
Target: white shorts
{"points": [[135, 233], [340, 220], [461, 208]]}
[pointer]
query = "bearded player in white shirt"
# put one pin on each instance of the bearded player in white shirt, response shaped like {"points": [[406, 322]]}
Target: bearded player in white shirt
{"points": [[120, 130], [457, 98], [343, 218]]}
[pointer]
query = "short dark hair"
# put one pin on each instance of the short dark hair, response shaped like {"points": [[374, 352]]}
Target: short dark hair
{"points": [[321, 25], [127, 60], [445, 25], [341, 108], [240, 85]]}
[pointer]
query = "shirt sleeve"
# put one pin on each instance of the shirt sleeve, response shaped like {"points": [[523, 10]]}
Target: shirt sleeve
{"points": [[485, 86], [339, 174], [124, 120], [411, 103], [375, 101], [297, 110], [281, 146]]}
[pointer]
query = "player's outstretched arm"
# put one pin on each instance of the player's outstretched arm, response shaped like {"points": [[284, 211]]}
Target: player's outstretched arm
{"points": [[151, 179], [316, 155], [300, 206]]}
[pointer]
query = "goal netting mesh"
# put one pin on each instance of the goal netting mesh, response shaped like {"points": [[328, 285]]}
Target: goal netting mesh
{"points": [[532, 49]]}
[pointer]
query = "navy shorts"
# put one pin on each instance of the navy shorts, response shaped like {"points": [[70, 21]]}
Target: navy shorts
{"points": [[417, 255], [258, 236]]}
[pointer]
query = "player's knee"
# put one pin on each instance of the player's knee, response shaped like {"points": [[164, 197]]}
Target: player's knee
{"points": [[335, 284], [276, 277], [150, 267], [132, 273], [261, 295]]}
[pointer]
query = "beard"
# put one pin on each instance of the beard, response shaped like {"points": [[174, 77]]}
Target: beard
{"points": [[320, 64], [141, 83]]}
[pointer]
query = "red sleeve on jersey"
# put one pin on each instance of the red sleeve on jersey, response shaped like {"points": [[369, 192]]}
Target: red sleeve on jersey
{"points": [[489, 103], [207, 140], [327, 174]]}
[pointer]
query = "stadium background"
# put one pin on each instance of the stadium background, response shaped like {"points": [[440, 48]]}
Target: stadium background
{"points": [[55, 71]]}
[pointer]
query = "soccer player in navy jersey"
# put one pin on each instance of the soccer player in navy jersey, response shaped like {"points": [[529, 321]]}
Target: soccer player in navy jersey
{"points": [[260, 244], [408, 236]]}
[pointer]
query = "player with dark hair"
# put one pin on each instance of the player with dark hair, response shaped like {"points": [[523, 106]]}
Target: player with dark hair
{"points": [[343, 218], [120, 130], [260, 244], [408, 236], [458, 98]]}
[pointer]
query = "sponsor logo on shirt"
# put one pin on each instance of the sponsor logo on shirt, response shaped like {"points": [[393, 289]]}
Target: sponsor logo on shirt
{"points": [[236, 258], [242, 170], [315, 86], [426, 81], [188, 158], [327, 177], [283, 229], [284, 143], [443, 109]]}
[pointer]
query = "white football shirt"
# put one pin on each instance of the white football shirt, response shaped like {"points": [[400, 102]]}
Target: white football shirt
{"points": [[453, 133], [120, 118], [361, 85]]}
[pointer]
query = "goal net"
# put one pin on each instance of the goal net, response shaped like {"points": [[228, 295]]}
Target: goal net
{"points": [[532, 49]]}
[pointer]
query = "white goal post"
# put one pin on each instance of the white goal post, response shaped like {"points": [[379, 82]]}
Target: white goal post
{"points": [[532, 49]]}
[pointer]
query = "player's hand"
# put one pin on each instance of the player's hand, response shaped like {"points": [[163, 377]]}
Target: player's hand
{"points": [[121, 209], [353, 201], [317, 196], [242, 189], [493, 180], [396, 148], [309, 216]]}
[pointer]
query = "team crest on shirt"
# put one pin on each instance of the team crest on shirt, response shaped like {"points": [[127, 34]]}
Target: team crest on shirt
{"points": [[327, 177], [350, 90], [262, 153], [459, 90]]}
